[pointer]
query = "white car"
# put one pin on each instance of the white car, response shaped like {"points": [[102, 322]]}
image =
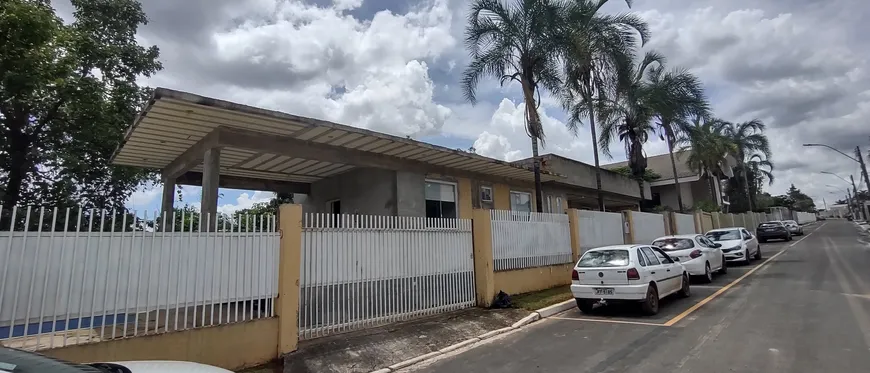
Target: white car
{"points": [[14, 360], [738, 244], [640, 273], [700, 256], [794, 227]]}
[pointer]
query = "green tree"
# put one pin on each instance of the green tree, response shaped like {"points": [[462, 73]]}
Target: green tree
{"points": [[705, 146], [67, 94], [597, 45], [749, 139], [517, 42]]}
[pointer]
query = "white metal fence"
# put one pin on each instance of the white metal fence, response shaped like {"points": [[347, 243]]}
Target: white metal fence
{"points": [[365, 271], [647, 226], [79, 275], [599, 228], [685, 223], [526, 240]]}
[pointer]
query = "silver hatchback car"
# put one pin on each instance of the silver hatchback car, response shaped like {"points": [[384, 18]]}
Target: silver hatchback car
{"points": [[793, 227]]}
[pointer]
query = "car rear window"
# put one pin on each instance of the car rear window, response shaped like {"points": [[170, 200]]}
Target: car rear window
{"points": [[770, 225], [670, 244], [604, 258], [724, 235]]}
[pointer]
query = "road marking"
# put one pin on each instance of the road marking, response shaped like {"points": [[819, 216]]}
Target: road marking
{"points": [[725, 288], [610, 321], [707, 286]]}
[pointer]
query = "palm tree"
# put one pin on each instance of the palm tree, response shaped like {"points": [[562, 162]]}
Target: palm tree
{"points": [[749, 138], [646, 92], [689, 100], [597, 45], [519, 42], [706, 146], [761, 169]]}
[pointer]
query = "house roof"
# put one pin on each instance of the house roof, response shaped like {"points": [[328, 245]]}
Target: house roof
{"points": [[661, 164], [175, 121]]}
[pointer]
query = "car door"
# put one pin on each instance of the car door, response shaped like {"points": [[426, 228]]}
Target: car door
{"points": [[673, 271], [655, 269], [750, 241], [714, 254]]}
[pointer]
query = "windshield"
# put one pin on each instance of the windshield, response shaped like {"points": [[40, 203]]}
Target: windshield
{"points": [[604, 258], [724, 235], [25, 361], [671, 244], [770, 225]]}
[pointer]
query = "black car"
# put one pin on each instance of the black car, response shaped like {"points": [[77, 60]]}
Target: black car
{"points": [[772, 230]]}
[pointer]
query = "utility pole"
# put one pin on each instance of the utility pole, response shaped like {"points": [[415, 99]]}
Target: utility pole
{"points": [[849, 203], [855, 193], [826, 204], [863, 172]]}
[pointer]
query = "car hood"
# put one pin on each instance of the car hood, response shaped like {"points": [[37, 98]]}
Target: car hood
{"points": [[169, 367], [729, 244]]}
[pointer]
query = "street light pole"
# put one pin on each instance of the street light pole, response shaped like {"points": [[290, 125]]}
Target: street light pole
{"points": [[858, 158], [855, 191]]}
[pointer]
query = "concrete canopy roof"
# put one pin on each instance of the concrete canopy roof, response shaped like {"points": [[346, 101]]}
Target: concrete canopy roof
{"points": [[269, 145], [661, 164]]}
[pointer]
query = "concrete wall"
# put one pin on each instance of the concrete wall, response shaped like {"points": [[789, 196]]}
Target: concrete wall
{"points": [[231, 346], [583, 175], [646, 227], [532, 279], [668, 195], [368, 191], [410, 194]]}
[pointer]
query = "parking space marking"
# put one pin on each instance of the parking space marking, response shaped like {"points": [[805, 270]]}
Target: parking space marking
{"points": [[707, 286], [610, 321], [725, 288]]}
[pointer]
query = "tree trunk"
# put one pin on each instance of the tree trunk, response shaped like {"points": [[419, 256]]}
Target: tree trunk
{"points": [[19, 148], [597, 162], [674, 169], [534, 128], [539, 200], [748, 189], [711, 180], [640, 188]]}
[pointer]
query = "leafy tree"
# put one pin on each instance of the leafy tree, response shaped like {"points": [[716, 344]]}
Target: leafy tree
{"points": [[67, 94], [648, 175], [802, 202], [517, 42], [749, 139], [598, 45]]}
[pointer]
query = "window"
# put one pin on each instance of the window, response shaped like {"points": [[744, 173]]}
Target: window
{"points": [[333, 207], [640, 259], [559, 208], [604, 258], [746, 235], [662, 257], [521, 201], [650, 256], [485, 194], [705, 242], [440, 200], [550, 204], [728, 235], [671, 244]]}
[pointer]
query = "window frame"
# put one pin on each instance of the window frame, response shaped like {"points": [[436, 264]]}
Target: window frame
{"points": [[531, 204], [455, 194], [486, 188], [648, 259]]}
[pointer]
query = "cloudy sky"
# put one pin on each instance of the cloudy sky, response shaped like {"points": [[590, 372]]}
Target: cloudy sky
{"points": [[801, 66]]}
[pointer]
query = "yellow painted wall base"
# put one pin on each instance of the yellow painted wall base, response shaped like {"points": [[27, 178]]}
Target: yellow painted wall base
{"points": [[232, 346], [532, 279]]}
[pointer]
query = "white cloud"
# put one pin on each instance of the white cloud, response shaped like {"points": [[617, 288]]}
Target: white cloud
{"points": [[144, 196], [246, 201]]}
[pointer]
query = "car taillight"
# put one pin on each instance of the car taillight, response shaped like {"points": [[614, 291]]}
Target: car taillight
{"points": [[695, 254], [574, 275], [632, 274]]}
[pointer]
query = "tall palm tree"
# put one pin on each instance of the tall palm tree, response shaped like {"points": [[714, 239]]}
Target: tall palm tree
{"points": [[689, 100], [518, 42], [597, 45], [645, 92], [749, 138], [706, 145], [761, 169]]}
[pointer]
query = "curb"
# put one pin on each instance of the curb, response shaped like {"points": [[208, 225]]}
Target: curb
{"points": [[530, 319]]}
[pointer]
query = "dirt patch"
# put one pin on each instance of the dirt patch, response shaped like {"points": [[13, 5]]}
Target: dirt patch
{"points": [[376, 348], [539, 299]]}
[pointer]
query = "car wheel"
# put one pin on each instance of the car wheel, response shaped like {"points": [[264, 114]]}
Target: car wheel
{"points": [[758, 253], [685, 290], [708, 274], [724, 269], [788, 238], [585, 305], [650, 305], [747, 258]]}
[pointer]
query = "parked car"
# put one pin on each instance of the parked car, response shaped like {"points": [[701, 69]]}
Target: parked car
{"points": [[794, 227], [738, 244], [627, 273], [697, 253], [21, 361], [772, 230]]}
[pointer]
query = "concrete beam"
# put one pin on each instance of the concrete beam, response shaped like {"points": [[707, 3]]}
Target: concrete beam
{"points": [[210, 180], [167, 204], [191, 157], [236, 138], [235, 182]]}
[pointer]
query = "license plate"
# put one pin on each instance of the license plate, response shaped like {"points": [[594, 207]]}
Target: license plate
{"points": [[603, 291]]}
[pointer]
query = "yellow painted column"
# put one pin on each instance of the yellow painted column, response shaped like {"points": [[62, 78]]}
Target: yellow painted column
{"points": [[501, 196], [717, 220], [465, 195], [289, 260], [670, 223], [699, 225], [484, 275], [574, 226]]}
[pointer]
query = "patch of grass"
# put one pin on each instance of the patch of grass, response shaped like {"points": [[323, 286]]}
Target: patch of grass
{"points": [[543, 298]]}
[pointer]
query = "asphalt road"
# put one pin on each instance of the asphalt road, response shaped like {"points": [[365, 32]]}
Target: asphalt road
{"points": [[804, 308]]}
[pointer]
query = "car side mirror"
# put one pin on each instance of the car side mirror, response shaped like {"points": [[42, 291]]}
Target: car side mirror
{"points": [[717, 245]]}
